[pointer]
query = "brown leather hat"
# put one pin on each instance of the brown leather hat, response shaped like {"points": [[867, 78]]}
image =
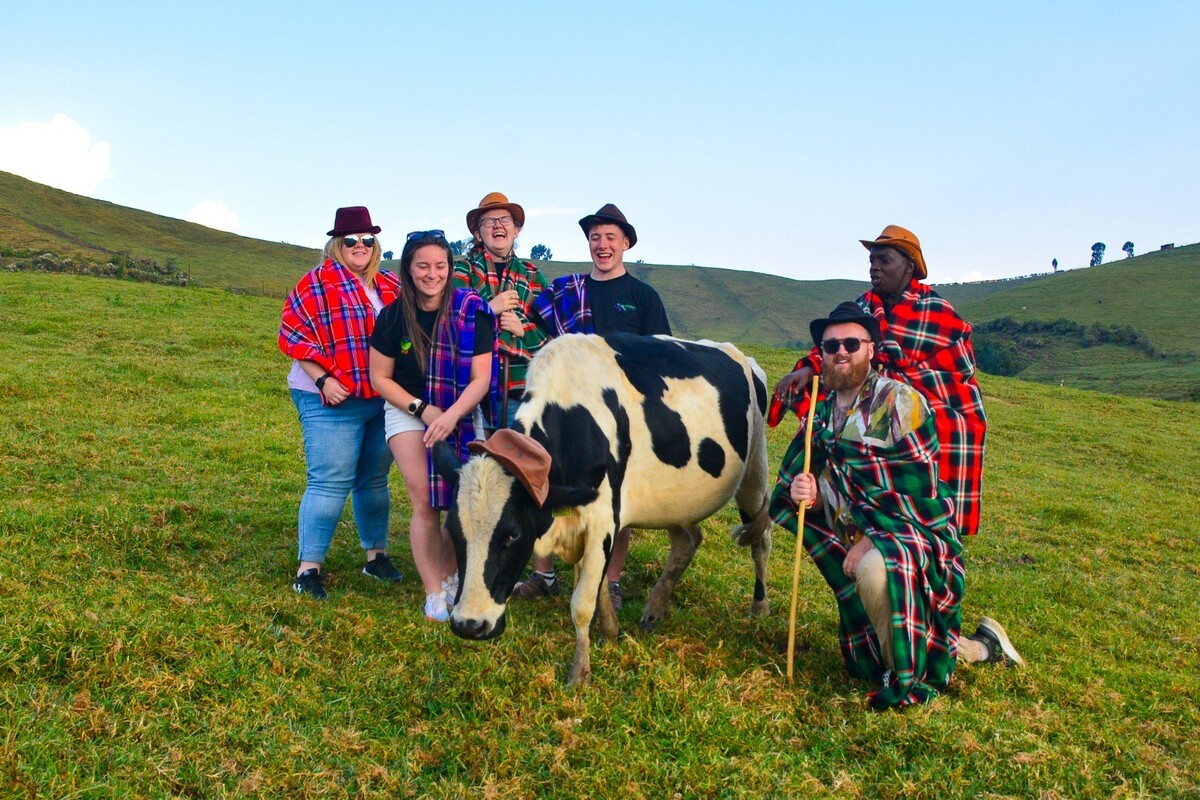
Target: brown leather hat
{"points": [[495, 200], [521, 455], [352, 219], [906, 242], [608, 213]]}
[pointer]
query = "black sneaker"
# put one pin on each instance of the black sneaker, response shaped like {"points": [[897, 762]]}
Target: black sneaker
{"points": [[535, 587], [381, 568], [1000, 649], [310, 582]]}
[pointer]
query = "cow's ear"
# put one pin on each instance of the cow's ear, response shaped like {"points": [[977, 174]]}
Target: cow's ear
{"points": [[564, 498], [446, 463]]}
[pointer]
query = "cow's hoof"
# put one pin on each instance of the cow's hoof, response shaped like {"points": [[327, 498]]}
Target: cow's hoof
{"points": [[760, 608], [649, 623]]}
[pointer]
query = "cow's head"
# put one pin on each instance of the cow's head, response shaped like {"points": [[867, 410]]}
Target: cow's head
{"points": [[504, 503]]}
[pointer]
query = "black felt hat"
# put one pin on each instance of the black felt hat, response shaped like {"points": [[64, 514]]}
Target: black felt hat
{"points": [[848, 311], [610, 214]]}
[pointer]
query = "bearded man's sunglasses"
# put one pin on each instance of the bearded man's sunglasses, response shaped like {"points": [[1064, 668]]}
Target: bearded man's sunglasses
{"points": [[851, 343]]}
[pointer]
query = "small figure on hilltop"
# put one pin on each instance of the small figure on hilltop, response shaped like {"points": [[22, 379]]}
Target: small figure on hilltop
{"points": [[326, 325], [887, 544], [1054, 265], [926, 344]]}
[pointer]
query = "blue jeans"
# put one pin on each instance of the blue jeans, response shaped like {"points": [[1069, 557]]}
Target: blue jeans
{"points": [[346, 455]]}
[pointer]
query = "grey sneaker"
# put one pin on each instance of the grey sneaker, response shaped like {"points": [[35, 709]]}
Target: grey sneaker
{"points": [[616, 595], [381, 568], [310, 582], [535, 587], [1000, 648]]}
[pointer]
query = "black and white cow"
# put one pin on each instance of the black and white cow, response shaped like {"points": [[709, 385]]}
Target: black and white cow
{"points": [[643, 432]]}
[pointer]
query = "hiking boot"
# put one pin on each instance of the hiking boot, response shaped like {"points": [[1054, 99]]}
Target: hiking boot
{"points": [[1000, 649], [435, 607], [450, 590], [536, 586], [616, 595], [381, 568], [310, 582]]}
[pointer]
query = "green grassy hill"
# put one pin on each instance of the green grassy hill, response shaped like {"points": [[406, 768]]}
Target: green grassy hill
{"points": [[1155, 295], [150, 471]]}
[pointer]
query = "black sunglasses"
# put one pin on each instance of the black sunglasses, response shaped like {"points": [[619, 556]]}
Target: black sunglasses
{"points": [[351, 241], [851, 343], [434, 234]]}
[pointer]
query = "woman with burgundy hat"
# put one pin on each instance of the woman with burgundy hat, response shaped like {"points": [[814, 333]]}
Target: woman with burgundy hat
{"points": [[433, 361], [326, 327], [509, 286], [927, 345]]}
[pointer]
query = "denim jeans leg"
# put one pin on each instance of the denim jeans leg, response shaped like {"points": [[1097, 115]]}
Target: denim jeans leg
{"points": [[370, 497], [332, 441]]}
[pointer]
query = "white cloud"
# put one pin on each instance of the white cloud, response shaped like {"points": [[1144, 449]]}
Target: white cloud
{"points": [[213, 214], [58, 153]]}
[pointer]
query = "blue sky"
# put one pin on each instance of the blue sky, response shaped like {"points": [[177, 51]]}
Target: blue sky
{"points": [[759, 136]]}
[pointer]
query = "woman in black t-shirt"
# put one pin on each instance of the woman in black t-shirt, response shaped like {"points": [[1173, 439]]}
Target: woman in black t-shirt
{"points": [[432, 361]]}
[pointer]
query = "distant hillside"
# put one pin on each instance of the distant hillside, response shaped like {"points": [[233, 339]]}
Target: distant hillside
{"points": [[1136, 329], [721, 304]]}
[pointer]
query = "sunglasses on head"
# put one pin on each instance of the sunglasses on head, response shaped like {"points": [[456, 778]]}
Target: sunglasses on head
{"points": [[851, 343], [418, 235], [351, 241]]}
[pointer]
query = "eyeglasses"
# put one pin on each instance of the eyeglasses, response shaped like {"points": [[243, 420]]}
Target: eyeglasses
{"points": [[352, 241], [851, 343], [434, 234], [491, 222]]}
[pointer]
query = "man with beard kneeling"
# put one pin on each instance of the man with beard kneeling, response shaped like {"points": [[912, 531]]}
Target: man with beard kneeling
{"points": [[886, 542]]}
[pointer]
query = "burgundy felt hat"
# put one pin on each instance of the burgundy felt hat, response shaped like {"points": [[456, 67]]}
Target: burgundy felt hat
{"points": [[610, 214], [353, 219], [495, 200]]}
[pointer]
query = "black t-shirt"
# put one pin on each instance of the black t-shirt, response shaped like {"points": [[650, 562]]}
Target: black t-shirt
{"points": [[391, 338], [626, 305]]}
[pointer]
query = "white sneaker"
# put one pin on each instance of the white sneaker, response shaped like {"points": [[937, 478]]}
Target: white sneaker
{"points": [[435, 608], [450, 589]]}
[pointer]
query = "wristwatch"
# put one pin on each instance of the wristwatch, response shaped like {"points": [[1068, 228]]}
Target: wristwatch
{"points": [[320, 382], [413, 406]]}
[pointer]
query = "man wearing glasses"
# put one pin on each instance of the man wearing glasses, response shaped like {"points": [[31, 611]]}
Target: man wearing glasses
{"points": [[509, 285], [882, 531]]}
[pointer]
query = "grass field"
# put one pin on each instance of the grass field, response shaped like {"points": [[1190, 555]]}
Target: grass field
{"points": [[150, 469]]}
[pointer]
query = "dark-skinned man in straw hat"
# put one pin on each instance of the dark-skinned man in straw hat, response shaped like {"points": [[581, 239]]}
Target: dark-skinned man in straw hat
{"points": [[604, 301], [509, 285], [926, 344], [883, 531]]}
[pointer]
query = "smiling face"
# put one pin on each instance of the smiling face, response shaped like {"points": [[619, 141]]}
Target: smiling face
{"points": [[891, 271], [842, 371], [357, 258], [608, 244], [497, 232], [430, 271]]}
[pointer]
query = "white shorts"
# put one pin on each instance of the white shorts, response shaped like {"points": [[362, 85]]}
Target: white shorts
{"points": [[398, 420]]}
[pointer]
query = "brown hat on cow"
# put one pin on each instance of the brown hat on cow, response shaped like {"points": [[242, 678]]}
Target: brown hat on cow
{"points": [[906, 242], [521, 455], [495, 200], [612, 215]]}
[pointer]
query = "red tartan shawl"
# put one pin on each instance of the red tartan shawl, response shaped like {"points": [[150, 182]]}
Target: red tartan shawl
{"points": [[328, 319]]}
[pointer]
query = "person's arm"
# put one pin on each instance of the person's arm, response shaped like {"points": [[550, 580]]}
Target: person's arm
{"points": [[655, 321], [382, 369], [441, 423], [331, 389]]}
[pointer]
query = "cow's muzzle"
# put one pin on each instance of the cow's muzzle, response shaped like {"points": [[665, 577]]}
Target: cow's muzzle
{"points": [[477, 629]]}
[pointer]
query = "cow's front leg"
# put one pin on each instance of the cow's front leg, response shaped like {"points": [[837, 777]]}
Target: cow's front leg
{"points": [[684, 541], [583, 609]]}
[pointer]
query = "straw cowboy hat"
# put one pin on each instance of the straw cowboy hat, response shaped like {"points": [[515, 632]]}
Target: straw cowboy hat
{"points": [[495, 200], [906, 242]]}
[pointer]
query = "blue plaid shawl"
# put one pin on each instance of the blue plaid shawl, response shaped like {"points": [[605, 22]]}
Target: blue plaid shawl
{"points": [[448, 375], [564, 306]]}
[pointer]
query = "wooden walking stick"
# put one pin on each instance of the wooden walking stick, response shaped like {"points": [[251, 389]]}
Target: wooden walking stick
{"points": [[812, 411], [504, 378]]}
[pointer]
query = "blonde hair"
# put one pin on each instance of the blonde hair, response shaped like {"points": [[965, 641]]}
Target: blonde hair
{"points": [[333, 251]]}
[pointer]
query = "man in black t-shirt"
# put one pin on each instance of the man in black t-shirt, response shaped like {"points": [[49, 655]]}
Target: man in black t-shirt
{"points": [[607, 300]]}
